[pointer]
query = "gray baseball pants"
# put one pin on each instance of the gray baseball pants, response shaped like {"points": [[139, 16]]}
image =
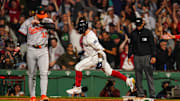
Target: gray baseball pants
{"points": [[37, 58], [142, 63]]}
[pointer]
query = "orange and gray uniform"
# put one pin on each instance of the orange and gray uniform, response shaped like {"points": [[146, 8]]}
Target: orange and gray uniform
{"points": [[36, 56]]}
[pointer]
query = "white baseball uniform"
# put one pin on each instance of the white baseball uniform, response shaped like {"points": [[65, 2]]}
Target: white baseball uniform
{"points": [[92, 47], [36, 57]]}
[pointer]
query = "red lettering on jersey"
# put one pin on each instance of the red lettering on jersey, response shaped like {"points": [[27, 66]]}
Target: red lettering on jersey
{"points": [[44, 34], [35, 30]]}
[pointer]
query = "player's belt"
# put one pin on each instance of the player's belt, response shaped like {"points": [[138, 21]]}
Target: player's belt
{"points": [[38, 46]]}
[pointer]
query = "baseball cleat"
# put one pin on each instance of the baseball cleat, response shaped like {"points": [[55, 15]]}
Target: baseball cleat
{"points": [[33, 99], [74, 90], [44, 98], [131, 83]]}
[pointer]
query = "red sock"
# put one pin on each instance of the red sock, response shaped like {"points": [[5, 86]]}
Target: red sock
{"points": [[118, 75], [78, 78]]}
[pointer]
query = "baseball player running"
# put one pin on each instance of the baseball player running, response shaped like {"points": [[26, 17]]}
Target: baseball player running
{"points": [[36, 29], [95, 57]]}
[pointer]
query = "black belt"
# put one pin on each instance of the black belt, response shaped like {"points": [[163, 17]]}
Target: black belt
{"points": [[38, 46]]}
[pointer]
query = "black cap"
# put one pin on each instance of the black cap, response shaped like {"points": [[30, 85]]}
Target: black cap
{"points": [[162, 40], [139, 21]]}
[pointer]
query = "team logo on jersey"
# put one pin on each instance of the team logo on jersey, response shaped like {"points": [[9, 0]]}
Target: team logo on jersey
{"points": [[35, 30], [95, 41]]}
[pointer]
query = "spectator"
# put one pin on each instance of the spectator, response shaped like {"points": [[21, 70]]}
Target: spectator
{"points": [[14, 10], [177, 55], [77, 8], [16, 91], [110, 48], [123, 49], [4, 16], [176, 18], [98, 29], [74, 35], [110, 18], [117, 40], [64, 36], [166, 61], [109, 90], [68, 60], [63, 21], [66, 6], [55, 51], [164, 92], [115, 29], [2, 61]]}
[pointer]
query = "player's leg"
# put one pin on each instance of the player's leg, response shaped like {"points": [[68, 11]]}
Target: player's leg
{"points": [[109, 71], [32, 68], [139, 75], [87, 63], [148, 69], [84, 64], [43, 63]]}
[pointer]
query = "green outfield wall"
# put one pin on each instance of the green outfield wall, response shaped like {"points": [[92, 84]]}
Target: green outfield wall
{"points": [[60, 81]]}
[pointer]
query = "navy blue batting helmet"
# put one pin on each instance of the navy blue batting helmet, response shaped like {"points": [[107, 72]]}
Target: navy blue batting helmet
{"points": [[82, 25]]}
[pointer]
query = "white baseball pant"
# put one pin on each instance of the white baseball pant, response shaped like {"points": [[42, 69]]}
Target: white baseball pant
{"points": [[37, 58], [91, 62]]}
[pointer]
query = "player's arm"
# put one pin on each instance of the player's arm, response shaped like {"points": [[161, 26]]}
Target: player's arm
{"points": [[24, 27], [94, 43], [100, 59], [48, 24]]}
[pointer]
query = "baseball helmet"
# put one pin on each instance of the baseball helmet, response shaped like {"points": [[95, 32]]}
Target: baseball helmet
{"points": [[41, 13], [82, 25]]}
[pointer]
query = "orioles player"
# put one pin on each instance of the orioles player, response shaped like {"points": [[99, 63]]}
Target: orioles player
{"points": [[94, 57], [36, 29]]}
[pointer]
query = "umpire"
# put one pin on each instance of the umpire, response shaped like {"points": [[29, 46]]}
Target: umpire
{"points": [[143, 48]]}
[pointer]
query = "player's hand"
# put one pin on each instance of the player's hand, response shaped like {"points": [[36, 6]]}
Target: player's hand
{"points": [[153, 60], [99, 65], [129, 61], [35, 21]]}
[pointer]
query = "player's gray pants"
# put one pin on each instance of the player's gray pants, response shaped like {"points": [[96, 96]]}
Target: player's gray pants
{"points": [[37, 58], [142, 63], [91, 62]]}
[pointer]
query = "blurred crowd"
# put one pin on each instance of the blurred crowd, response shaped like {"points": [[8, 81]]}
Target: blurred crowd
{"points": [[111, 20]]}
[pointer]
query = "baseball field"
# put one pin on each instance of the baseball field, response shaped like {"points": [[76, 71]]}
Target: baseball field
{"points": [[84, 99]]}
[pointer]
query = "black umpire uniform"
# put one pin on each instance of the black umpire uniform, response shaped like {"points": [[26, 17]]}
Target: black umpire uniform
{"points": [[143, 48]]}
